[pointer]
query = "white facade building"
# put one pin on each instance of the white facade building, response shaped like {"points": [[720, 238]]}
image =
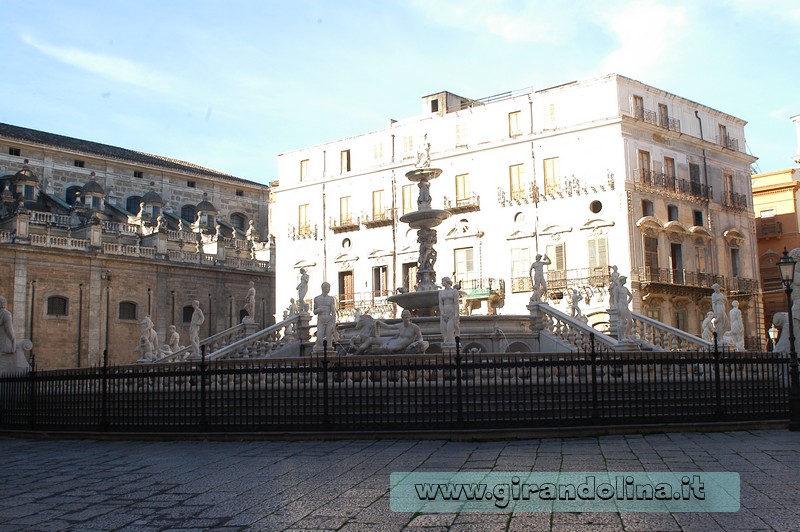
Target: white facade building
{"points": [[602, 172]]}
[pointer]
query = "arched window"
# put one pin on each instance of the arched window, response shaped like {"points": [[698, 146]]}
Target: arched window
{"points": [[189, 213], [132, 204], [127, 310], [188, 310], [73, 193], [238, 221], [56, 306]]}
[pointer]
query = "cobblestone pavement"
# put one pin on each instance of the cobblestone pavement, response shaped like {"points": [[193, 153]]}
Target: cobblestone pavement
{"points": [[344, 485]]}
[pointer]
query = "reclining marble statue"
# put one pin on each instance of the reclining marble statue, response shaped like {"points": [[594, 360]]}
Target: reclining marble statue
{"points": [[407, 338]]}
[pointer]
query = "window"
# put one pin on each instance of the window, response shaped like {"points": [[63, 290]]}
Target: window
{"points": [[647, 208], [651, 255], [410, 270], [132, 204], [598, 253], [344, 161], [28, 192], [644, 165], [346, 289], [464, 264], [127, 310], [377, 151], [697, 217], [672, 212], [728, 180], [676, 262], [461, 136], [669, 172], [408, 146], [189, 213], [663, 116], [408, 198], [513, 124], [551, 171], [516, 173], [463, 192], [736, 264], [73, 194], [191, 184], [378, 209], [694, 173], [187, 313], [303, 169], [344, 210], [681, 319], [769, 213], [558, 256], [79, 163], [238, 221], [302, 219], [637, 104], [380, 281], [240, 193], [435, 106], [723, 135], [549, 116], [520, 263], [14, 151], [138, 174], [56, 306], [96, 204]]}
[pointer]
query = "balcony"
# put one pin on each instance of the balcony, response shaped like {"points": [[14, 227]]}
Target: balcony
{"points": [[768, 227], [659, 182], [559, 281], [651, 117], [735, 200], [568, 187], [345, 224], [303, 232], [728, 142], [378, 219], [518, 196], [468, 204], [676, 280]]}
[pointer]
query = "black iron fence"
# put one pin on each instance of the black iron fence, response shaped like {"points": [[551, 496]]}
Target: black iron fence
{"points": [[475, 391]]}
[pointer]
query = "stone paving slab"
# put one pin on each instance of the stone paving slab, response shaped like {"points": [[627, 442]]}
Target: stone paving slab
{"points": [[344, 485]]}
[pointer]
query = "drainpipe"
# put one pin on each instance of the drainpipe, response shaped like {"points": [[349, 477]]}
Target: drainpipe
{"points": [[705, 181]]}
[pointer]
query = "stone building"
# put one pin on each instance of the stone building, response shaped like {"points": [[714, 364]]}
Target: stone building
{"points": [[776, 196], [93, 238], [602, 172]]}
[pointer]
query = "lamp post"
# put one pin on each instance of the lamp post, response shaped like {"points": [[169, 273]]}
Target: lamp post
{"points": [[786, 269], [773, 336]]}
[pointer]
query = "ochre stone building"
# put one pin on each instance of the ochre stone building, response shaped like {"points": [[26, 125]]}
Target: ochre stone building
{"points": [[93, 238]]}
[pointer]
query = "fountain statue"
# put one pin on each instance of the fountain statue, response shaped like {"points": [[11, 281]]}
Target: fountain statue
{"points": [[425, 296]]}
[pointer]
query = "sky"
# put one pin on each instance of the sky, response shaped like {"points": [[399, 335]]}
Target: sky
{"points": [[229, 84]]}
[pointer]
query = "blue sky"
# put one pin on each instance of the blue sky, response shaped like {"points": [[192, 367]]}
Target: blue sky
{"points": [[229, 84]]}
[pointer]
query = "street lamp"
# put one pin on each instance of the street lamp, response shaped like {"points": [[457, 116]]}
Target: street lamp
{"points": [[773, 336], [786, 269]]}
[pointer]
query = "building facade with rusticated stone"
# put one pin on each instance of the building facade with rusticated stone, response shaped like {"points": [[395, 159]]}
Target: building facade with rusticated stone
{"points": [[94, 238]]}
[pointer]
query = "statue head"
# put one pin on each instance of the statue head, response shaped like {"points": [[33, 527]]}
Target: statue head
{"points": [[196, 304], [3, 302], [406, 314], [447, 282], [538, 256], [326, 287]]}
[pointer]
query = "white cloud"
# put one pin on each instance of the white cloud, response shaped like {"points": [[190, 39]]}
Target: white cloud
{"points": [[108, 67], [649, 37], [534, 21]]}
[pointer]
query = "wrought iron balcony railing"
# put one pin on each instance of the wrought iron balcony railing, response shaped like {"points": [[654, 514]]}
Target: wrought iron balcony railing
{"points": [[735, 200], [651, 117], [378, 219], [347, 223], [768, 227], [658, 181], [470, 203], [301, 232]]}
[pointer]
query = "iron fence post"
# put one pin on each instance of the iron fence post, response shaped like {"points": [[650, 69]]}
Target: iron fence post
{"points": [[325, 413], [459, 389], [717, 378], [32, 391], [203, 394], [595, 410], [104, 392]]}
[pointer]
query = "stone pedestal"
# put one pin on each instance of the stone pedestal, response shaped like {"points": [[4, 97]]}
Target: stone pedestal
{"points": [[538, 322]]}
